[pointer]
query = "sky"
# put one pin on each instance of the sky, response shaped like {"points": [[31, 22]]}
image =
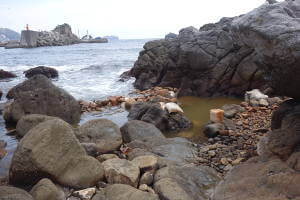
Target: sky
{"points": [[128, 19]]}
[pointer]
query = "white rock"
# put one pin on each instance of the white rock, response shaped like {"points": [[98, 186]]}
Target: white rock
{"points": [[85, 194], [173, 107], [146, 188], [254, 94]]}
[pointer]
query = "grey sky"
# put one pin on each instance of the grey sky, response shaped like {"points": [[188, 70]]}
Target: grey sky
{"points": [[125, 18]]}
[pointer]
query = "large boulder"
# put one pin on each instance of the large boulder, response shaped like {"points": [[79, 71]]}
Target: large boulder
{"points": [[103, 134], [139, 130], [161, 118], [38, 95], [6, 74], [172, 149], [256, 180], [51, 150], [46, 71], [46, 190], [12, 193], [185, 182], [124, 192], [29, 121], [253, 51]]}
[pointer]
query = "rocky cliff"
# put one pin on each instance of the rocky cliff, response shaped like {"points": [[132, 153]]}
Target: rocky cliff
{"points": [[255, 50]]}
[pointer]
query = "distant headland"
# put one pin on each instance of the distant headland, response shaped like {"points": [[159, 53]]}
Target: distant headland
{"points": [[60, 36]]}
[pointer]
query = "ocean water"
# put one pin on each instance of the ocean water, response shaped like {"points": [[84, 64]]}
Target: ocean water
{"points": [[87, 71]]}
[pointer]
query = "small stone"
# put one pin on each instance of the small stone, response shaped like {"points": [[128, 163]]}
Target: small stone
{"points": [[85, 194], [224, 161], [147, 178], [204, 149], [263, 102], [146, 188], [147, 162], [105, 157], [228, 167], [212, 153], [237, 161]]}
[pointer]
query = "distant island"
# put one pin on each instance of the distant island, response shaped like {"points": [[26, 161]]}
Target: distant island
{"points": [[60, 36], [8, 34]]}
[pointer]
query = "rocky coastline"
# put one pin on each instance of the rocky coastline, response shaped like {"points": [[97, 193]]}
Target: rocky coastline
{"points": [[60, 36]]}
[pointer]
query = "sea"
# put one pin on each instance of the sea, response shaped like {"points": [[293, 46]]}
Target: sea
{"points": [[87, 71]]}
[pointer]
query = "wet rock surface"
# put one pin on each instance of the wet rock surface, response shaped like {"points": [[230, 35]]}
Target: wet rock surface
{"points": [[162, 119], [6, 74], [38, 95], [46, 71]]}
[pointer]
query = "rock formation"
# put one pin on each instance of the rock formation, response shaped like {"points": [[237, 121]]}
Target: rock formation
{"points": [[38, 95], [229, 57], [61, 35], [46, 71]]}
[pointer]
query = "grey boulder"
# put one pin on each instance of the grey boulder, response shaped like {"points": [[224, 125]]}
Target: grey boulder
{"points": [[51, 149], [38, 95], [103, 135]]}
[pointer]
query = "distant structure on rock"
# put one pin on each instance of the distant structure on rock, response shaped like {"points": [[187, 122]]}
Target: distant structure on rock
{"points": [[61, 35]]}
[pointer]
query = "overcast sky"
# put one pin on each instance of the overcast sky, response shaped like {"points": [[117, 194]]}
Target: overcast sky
{"points": [[129, 19]]}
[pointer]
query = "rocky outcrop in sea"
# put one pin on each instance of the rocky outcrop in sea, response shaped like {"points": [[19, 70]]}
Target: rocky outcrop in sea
{"points": [[61, 35], [228, 57]]}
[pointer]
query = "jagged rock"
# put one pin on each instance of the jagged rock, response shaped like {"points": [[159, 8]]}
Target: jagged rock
{"points": [[38, 95], [124, 192], [29, 121], [237, 54], [121, 171], [154, 114], [5, 74], [12, 193], [138, 130], [102, 133], [51, 149], [46, 190], [191, 182], [46, 71]]}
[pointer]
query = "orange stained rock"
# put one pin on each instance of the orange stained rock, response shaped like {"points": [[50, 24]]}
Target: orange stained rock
{"points": [[217, 115]]}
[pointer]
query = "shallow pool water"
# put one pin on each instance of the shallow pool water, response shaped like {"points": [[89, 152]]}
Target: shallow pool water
{"points": [[197, 110]]}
